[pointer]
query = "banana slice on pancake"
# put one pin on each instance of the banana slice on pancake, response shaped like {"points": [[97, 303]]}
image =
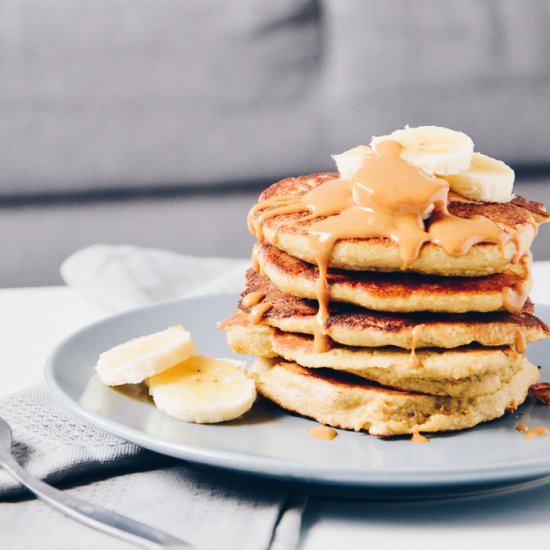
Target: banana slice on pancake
{"points": [[135, 360], [349, 162], [486, 179], [449, 155], [203, 390], [434, 149]]}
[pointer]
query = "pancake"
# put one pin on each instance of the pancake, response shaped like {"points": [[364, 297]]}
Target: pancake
{"points": [[345, 401], [356, 326], [383, 254], [469, 370], [405, 292], [537, 209], [248, 338]]}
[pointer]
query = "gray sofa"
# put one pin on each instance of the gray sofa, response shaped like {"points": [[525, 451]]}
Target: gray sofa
{"points": [[157, 122]]}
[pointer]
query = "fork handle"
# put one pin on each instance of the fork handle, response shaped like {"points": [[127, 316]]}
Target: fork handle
{"points": [[91, 515]]}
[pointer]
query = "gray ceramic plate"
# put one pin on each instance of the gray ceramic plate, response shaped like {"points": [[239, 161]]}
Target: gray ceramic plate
{"points": [[270, 443]]}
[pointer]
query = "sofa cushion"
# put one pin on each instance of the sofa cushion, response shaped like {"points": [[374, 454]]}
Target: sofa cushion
{"points": [[127, 94]]}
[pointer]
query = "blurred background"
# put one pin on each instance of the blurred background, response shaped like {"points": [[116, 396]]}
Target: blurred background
{"points": [[157, 122]]}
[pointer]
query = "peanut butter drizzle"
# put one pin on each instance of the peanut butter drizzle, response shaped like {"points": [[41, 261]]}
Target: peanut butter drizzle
{"points": [[536, 432], [417, 437], [255, 263], [321, 340], [514, 297], [261, 268], [533, 223], [457, 235], [279, 205], [387, 198], [516, 239], [258, 311], [323, 432], [522, 428], [521, 341], [414, 362], [252, 299]]}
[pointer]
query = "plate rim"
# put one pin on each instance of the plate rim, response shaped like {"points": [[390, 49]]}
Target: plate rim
{"points": [[531, 469]]}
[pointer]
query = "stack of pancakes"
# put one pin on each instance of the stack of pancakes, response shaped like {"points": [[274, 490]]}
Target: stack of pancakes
{"points": [[433, 347]]}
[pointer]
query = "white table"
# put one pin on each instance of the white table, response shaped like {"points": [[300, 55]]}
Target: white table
{"points": [[33, 320]]}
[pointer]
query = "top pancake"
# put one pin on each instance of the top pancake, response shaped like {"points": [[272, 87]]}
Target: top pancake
{"points": [[382, 254], [356, 326]]}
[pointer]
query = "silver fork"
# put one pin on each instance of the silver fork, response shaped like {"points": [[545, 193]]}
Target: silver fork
{"points": [[89, 514]]}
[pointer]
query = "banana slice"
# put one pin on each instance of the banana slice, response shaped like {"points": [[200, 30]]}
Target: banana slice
{"points": [[486, 179], [434, 149], [349, 162], [204, 390], [139, 358]]}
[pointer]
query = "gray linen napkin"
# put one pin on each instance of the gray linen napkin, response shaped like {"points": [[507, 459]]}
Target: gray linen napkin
{"points": [[210, 509], [121, 277]]}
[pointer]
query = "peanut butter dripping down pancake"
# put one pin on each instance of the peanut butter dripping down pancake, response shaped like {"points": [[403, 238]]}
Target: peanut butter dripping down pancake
{"points": [[389, 198], [255, 301], [416, 335]]}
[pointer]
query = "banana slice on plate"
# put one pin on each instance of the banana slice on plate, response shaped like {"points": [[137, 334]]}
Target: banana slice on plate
{"points": [[434, 149], [486, 179], [349, 162], [139, 358], [203, 390]]}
